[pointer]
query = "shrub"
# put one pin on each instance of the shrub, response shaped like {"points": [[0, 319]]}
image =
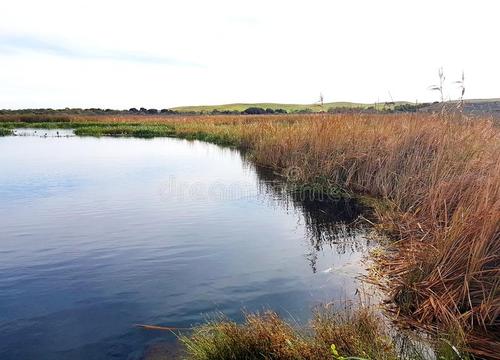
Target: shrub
{"points": [[168, 112], [254, 111]]}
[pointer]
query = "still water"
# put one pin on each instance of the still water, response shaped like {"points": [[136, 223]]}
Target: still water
{"points": [[100, 234]]}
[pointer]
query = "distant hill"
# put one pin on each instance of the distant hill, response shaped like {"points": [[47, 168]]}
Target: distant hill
{"points": [[288, 107], [471, 106]]}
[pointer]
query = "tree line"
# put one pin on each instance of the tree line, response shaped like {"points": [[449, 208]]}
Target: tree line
{"points": [[248, 111]]}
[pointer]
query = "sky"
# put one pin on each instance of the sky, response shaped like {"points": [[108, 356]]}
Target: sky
{"points": [[161, 54]]}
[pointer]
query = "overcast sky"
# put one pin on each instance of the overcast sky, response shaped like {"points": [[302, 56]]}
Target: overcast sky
{"points": [[122, 54]]}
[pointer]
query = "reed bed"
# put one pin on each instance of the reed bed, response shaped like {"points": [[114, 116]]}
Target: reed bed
{"points": [[439, 182]]}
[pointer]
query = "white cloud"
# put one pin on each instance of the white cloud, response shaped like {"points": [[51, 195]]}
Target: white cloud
{"points": [[121, 54]]}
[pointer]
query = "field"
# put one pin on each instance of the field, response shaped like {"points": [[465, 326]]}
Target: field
{"points": [[433, 183]]}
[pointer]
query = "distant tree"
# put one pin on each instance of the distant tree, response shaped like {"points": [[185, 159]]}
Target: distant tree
{"points": [[280, 111], [152, 111], [143, 110], [410, 107], [269, 111], [254, 111], [133, 110], [168, 112]]}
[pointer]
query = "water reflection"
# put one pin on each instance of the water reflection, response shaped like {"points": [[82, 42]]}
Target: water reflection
{"points": [[331, 221]]}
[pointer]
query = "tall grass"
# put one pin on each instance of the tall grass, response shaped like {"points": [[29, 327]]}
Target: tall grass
{"points": [[330, 335]]}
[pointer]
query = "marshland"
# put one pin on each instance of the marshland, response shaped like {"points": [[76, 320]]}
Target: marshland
{"points": [[225, 180], [205, 227]]}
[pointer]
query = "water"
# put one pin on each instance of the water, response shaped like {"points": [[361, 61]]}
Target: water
{"points": [[100, 234]]}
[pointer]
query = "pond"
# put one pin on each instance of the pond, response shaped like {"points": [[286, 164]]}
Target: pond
{"points": [[100, 234]]}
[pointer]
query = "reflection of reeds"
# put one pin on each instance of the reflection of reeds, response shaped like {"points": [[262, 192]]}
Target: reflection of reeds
{"points": [[329, 219]]}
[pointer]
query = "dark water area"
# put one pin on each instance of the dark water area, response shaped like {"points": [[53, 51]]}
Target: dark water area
{"points": [[100, 234]]}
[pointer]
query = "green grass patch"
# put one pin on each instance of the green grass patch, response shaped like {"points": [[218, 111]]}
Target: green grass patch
{"points": [[222, 139], [120, 130], [96, 129]]}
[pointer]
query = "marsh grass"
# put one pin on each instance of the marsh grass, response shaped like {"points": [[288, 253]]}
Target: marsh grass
{"points": [[131, 130], [96, 129], [439, 181], [265, 335], [347, 333]]}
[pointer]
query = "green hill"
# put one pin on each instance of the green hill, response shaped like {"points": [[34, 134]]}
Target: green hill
{"points": [[288, 107]]}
